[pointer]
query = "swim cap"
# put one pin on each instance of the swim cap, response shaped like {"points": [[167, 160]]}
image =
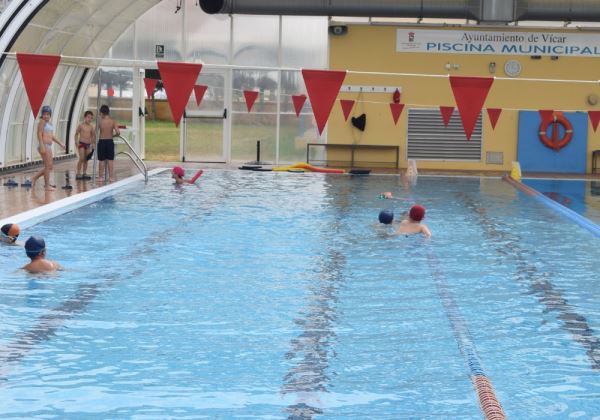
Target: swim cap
{"points": [[417, 212], [46, 108], [34, 246], [179, 171], [11, 231], [386, 216]]}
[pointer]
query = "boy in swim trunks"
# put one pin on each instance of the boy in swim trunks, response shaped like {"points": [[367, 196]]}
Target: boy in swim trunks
{"points": [[106, 146], [85, 137], [412, 225], [35, 247]]}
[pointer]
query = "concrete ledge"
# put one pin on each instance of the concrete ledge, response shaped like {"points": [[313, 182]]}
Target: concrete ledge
{"points": [[32, 217]]}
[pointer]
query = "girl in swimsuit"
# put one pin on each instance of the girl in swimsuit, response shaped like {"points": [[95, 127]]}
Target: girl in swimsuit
{"points": [[45, 133]]}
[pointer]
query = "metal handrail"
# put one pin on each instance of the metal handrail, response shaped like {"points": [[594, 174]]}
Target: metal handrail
{"points": [[138, 162]]}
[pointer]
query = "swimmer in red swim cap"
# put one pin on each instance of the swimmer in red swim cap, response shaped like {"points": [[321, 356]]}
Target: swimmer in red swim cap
{"points": [[412, 225], [178, 174], [9, 234]]}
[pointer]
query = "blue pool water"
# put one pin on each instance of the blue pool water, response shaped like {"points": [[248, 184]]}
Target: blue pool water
{"points": [[276, 295], [580, 196]]}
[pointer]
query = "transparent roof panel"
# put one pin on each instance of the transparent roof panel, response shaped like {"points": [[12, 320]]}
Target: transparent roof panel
{"points": [[80, 27]]}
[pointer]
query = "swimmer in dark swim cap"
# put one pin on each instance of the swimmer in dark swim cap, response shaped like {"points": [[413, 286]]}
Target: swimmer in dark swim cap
{"points": [[35, 247], [412, 225]]}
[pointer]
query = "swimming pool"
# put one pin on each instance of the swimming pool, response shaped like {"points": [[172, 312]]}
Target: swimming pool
{"points": [[274, 295], [580, 196]]}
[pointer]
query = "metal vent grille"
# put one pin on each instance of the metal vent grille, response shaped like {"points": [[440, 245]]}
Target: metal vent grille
{"points": [[429, 139], [495, 158]]}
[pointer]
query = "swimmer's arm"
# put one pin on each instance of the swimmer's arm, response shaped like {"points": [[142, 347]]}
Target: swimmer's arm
{"points": [[40, 131], [116, 128], [425, 231], [77, 135], [57, 141]]}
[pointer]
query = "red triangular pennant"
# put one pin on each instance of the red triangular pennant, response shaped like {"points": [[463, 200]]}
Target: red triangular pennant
{"points": [[347, 105], [179, 80], [546, 114], [470, 94], [493, 115], [396, 111], [446, 112], [199, 91], [250, 96], [322, 87], [37, 72], [150, 85], [594, 119], [298, 101]]}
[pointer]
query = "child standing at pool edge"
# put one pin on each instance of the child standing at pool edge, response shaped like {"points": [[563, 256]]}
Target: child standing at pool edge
{"points": [[85, 137], [45, 133], [106, 145]]}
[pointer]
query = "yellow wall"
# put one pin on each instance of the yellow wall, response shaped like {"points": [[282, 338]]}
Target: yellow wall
{"points": [[373, 49]]}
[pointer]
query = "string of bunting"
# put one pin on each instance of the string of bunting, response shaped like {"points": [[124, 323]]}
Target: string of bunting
{"points": [[322, 87]]}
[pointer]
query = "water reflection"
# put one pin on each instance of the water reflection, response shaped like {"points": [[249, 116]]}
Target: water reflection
{"points": [[509, 245]]}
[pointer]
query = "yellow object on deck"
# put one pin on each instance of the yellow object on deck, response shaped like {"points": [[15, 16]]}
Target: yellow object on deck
{"points": [[515, 172], [307, 167]]}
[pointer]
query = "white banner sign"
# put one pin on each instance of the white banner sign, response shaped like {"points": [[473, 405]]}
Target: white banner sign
{"points": [[491, 42]]}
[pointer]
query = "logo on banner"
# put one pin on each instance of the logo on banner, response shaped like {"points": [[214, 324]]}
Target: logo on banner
{"points": [[510, 42]]}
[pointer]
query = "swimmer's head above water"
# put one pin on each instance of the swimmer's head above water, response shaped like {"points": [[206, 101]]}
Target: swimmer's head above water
{"points": [[417, 212], [178, 171], [10, 233], [35, 246]]}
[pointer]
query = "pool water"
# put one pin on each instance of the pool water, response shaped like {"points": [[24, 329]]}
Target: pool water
{"points": [[580, 196], [278, 295]]}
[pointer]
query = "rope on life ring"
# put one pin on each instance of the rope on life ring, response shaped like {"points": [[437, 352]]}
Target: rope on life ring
{"points": [[554, 142]]}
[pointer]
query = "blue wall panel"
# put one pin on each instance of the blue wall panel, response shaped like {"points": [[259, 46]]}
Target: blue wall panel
{"points": [[535, 157]]}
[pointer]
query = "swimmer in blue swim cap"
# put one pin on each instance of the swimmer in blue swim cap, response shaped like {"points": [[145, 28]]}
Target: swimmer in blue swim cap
{"points": [[35, 247], [386, 216]]}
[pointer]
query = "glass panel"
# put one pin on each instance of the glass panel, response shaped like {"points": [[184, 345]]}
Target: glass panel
{"points": [[295, 132], [10, 143], [15, 150], [117, 93], [66, 105], [204, 136], [204, 140], [260, 123], [123, 48], [304, 42], [207, 35], [255, 40], [160, 26], [22, 113], [214, 98]]}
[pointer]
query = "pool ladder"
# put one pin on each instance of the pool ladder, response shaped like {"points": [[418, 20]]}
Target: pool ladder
{"points": [[135, 158]]}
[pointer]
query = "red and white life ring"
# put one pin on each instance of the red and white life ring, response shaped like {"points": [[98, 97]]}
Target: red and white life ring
{"points": [[554, 142]]}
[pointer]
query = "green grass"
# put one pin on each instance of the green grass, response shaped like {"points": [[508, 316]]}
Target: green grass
{"points": [[162, 140], [204, 141]]}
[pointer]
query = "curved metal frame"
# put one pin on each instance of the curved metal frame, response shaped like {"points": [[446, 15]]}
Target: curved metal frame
{"points": [[138, 162]]}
